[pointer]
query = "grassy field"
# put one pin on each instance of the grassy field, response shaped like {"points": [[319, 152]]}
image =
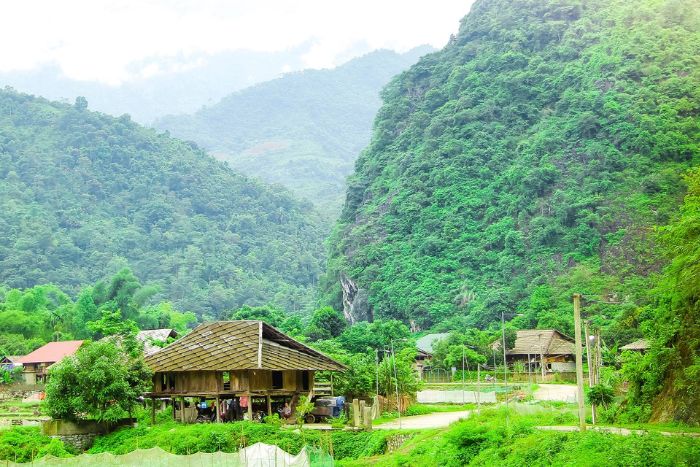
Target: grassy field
{"points": [[507, 438]]}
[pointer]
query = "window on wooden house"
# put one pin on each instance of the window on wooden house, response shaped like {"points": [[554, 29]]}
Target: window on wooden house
{"points": [[305, 380], [277, 380], [227, 380]]}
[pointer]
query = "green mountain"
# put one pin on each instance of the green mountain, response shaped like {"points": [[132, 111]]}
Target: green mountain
{"points": [[83, 195], [303, 131], [529, 159]]}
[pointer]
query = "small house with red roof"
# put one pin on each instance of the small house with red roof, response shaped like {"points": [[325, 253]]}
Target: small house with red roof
{"points": [[37, 363]]}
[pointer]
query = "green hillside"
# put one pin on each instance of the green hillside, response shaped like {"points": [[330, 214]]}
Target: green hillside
{"points": [[83, 195], [529, 159], [303, 130]]}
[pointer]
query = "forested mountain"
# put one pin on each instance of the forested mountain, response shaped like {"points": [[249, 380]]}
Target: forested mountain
{"points": [[83, 195], [529, 159], [304, 130]]}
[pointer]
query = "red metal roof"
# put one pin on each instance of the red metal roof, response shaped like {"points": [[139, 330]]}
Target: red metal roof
{"points": [[52, 352]]}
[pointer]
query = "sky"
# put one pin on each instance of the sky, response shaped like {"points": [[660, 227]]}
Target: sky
{"points": [[105, 40]]}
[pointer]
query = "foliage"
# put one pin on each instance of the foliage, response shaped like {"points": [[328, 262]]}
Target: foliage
{"points": [[303, 408], [83, 195], [102, 382], [669, 373], [601, 395], [527, 160], [396, 373], [24, 444], [229, 437], [43, 313], [303, 130], [487, 440], [326, 323]]}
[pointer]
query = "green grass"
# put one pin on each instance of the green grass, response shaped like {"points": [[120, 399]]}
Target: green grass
{"points": [[491, 439]]}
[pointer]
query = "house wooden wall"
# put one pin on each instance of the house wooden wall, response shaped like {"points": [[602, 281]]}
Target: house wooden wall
{"points": [[241, 381]]}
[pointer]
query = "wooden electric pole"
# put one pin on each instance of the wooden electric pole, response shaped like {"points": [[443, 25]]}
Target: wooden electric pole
{"points": [[579, 363]]}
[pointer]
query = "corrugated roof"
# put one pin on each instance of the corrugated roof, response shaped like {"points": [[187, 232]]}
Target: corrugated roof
{"points": [[52, 352], [641, 344], [238, 345], [426, 342]]}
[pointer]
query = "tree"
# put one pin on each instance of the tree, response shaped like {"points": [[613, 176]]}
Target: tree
{"points": [[398, 372], [326, 323], [101, 382]]}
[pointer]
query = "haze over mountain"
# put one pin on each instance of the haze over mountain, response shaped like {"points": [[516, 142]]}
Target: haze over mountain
{"points": [[169, 85], [303, 130], [83, 195]]}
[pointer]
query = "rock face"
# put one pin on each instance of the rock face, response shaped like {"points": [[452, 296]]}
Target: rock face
{"points": [[356, 305]]}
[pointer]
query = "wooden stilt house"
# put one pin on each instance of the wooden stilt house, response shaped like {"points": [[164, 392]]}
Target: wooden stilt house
{"points": [[235, 361]]}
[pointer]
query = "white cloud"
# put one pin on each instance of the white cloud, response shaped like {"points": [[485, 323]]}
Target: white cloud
{"points": [[99, 39]]}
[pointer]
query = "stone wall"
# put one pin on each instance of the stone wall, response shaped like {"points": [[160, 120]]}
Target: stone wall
{"points": [[79, 434]]}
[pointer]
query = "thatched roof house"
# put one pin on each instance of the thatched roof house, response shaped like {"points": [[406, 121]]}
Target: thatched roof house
{"points": [[549, 348], [640, 345]]}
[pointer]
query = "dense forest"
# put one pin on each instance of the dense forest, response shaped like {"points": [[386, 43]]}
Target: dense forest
{"points": [[83, 195], [303, 130], [538, 150]]}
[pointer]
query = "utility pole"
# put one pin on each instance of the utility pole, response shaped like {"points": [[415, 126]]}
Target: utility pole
{"points": [[462, 374], [591, 367], [376, 365], [505, 365], [396, 375], [478, 388], [579, 363]]}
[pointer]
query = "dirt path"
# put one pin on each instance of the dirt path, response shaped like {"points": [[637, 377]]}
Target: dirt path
{"points": [[433, 420], [555, 392]]}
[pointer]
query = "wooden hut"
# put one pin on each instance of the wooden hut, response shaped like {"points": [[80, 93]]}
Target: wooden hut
{"points": [[641, 345], [548, 349], [235, 361]]}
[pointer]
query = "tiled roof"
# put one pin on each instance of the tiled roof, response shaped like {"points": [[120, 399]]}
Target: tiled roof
{"points": [[238, 345], [52, 352]]}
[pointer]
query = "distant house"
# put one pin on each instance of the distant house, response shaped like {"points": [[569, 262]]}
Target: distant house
{"points": [[425, 350], [37, 363], [151, 337], [244, 364], [10, 362], [542, 348], [641, 345]]}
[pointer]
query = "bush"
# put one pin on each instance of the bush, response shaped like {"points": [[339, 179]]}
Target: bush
{"points": [[23, 444]]}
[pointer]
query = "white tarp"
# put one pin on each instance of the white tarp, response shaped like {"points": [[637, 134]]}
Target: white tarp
{"points": [[454, 397], [257, 455]]}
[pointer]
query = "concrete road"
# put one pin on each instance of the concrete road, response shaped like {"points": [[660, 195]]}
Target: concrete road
{"points": [[432, 420]]}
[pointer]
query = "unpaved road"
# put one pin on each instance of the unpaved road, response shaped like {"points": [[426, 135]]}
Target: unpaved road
{"points": [[555, 392], [432, 420]]}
